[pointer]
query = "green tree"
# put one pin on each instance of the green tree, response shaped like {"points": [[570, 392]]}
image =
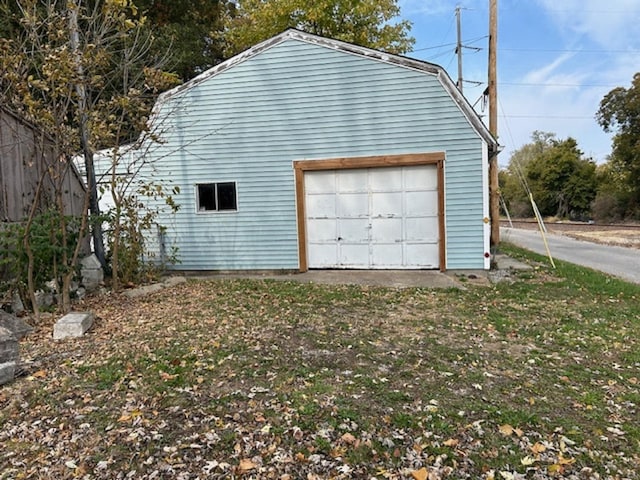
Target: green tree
{"points": [[562, 182], [614, 193], [369, 23], [188, 32], [619, 112], [512, 178]]}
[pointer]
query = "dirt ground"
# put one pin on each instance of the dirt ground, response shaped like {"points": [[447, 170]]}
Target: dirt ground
{"points": [[627, 235]]}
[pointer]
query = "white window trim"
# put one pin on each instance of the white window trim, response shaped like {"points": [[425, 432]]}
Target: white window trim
{"points": [[214, 212]]}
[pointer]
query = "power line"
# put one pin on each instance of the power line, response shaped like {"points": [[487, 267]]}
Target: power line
{"points": [[567, 50], [530, 84], [453, 44], [559, 117]]}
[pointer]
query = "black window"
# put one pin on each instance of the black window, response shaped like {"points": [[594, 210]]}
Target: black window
{"points": [[226, 196], [217, 197]]}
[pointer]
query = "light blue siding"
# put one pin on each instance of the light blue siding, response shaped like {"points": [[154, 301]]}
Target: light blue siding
{"points": [[295, 101]]}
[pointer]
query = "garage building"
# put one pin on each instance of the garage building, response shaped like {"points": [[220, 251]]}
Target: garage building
{"points": [[307, 152]]}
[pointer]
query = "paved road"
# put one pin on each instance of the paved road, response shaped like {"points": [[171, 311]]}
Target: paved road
{"points": [[619, 261]]}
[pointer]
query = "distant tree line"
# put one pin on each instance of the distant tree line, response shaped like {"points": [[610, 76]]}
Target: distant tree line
{"points": [[566, 184]]}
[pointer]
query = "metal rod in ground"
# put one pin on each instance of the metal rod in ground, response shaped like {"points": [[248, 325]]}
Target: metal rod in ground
{"points": [[543, 229], [506, 210]]}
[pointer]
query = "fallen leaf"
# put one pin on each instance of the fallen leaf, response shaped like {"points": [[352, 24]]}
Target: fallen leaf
{"points": [[527, 461], [338, 452], [166, 376], [506, 430], [246, 465], [615, 431], [538, 448], [566, 461], [555, 468], [125, 417], [452, 442], [38, 374], [348, 438], [420, 474]]}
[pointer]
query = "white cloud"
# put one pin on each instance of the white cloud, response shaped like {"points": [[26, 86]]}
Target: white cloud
{"points": [[543, 74], [565, 111], [612, 24], [567, 89]]}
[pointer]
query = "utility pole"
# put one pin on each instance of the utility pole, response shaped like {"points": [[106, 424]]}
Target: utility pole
{"points": [[459, 49], [494, 202], [81, 92]]}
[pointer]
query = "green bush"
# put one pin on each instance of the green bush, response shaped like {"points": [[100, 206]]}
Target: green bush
{"points": [[49, 247]]}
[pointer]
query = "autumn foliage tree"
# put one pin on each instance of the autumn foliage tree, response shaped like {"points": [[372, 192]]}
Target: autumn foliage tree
{"points": [[369, 23], [80, 71]]}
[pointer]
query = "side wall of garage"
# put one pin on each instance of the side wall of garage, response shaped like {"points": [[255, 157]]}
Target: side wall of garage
{"points": [[296, 100]]}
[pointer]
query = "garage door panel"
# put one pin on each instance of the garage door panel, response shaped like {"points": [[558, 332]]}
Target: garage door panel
{"points": [[350, 181], [385, 179], [421, 178], [323, 255], [355, 256], [322, 230], [321, 205], [421, 203], [422, 229], [386, 230], [320, 182], [387, 256], [351, 205], [386, 204], [353, 230], [425, 255]]}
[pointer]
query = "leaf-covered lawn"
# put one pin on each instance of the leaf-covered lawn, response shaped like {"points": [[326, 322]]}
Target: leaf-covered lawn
{"points": [[539, 378]]}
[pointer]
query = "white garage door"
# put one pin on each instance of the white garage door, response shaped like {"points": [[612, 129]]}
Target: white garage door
{"points": [[372, 218]]}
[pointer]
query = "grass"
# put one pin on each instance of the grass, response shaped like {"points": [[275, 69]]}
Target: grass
{"points": [[537, 377]]}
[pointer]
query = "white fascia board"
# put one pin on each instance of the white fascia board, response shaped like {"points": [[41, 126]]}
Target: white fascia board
{"points": [[485, 206]]}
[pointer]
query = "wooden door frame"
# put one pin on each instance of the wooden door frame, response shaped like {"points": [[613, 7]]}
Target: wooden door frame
{"points": [[405, 160]]}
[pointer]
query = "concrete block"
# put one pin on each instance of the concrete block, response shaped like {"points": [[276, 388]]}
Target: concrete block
{"points": [[9, 347], [15, 325], [91, 272], [7, 372], [17, 306], [73, 324]]}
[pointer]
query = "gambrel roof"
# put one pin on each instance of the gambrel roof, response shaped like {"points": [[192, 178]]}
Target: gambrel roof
{"points": [[376, 55]]}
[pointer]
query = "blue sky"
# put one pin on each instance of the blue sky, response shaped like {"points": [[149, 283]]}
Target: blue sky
{"points": [[556, 61]]}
